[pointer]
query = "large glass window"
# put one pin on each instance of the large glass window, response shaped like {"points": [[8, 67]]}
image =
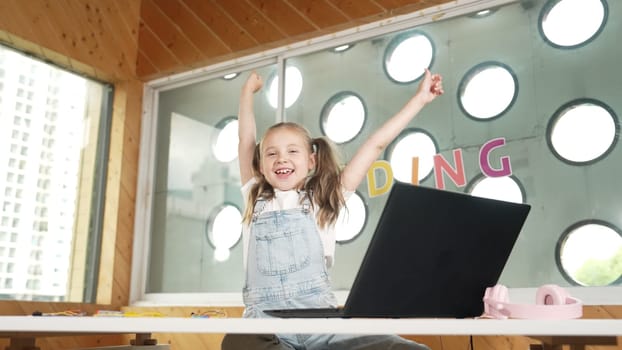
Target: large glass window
{"points": [[483, 137], [197, 203], [53, 146]]}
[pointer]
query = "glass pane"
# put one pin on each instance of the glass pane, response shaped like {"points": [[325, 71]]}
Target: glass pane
{"points": [[568, 23], [407, 56], [343, 117], [293, 86], [583, 131], [197, 177], [591, 254], [409, 145], [351, 220], [226, 146], [457, 130], [487, 91], [503, 188], [50, 168], [224, 229]]}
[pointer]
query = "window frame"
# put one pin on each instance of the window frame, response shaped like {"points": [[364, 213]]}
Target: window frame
{"points": [[279, 55]]}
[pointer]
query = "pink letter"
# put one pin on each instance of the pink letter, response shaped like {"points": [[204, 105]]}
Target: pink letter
{"points": [[457, 175], [484, 164]]}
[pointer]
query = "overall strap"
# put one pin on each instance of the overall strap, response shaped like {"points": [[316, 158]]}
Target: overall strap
{"points": [[259, 206], [306, 202]]}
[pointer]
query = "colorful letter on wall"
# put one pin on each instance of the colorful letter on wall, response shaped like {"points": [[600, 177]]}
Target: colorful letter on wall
{"points": [[372, 188], [414, 176], [484, 162], [456, 175]]}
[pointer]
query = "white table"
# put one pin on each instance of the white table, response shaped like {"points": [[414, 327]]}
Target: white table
{"points": [[23, 330]]}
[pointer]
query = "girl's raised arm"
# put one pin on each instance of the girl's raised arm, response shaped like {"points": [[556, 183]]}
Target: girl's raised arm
{"points": [[247, 131], [354, 172]]}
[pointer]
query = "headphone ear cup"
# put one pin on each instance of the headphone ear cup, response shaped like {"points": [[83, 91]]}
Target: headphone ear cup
{"points": [[550, 294], [494, 297], [501, 294]]}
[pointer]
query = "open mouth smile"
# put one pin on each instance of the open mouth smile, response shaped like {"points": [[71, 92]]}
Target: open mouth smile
{"points": [[284, 171]]}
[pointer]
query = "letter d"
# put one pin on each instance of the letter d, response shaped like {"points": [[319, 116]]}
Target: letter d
{"points": [[380, 165]]}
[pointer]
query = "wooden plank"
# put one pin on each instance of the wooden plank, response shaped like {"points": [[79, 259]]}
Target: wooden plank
{"points": [[144, 67], [357, 9], [390, 5], [30, 23], [319, 12], [92, 42], [253, 22], [200, 35], [283, 16], [13, 21], [169, 34], [159, 55], [57, 30], [128, 12], [124, 38], [223, 26]]}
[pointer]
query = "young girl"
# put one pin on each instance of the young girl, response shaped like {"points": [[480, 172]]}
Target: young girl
{"points": [[294, 188]]}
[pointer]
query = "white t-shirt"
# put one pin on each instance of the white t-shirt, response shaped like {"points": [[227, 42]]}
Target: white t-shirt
{"points": [[284, 200]]}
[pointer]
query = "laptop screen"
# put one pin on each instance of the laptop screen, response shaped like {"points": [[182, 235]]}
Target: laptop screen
{"points": [[433, 254]]}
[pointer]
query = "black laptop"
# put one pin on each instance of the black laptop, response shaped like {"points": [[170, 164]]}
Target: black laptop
{"points": [[432, 255]]}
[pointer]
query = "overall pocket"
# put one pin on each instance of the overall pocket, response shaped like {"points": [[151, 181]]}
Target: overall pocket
{"points": [[281, 252]]}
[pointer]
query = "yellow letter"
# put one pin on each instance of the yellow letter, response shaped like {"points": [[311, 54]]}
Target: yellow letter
{"points": [[372, 189]]}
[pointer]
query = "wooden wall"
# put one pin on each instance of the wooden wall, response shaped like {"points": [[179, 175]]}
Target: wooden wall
{"points": [[127, 42], [98, 39]]}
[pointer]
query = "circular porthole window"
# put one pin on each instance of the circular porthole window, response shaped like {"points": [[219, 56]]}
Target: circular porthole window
{"points": [[572, 23], [342, 117], [293, 87], [409, 144], [352, 219], [225, 146], [589, 253], [582, 131], [505, 188], [487, 90], [407, 56], [224, 228]]}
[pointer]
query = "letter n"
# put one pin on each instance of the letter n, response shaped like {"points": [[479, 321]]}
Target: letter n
{"points": [[441, 165]]}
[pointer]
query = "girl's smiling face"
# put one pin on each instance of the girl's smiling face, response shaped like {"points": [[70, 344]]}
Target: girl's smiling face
{"points": [[286, 158]]}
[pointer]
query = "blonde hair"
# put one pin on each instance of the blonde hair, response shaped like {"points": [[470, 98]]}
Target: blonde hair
{"points": [[323, 186]]}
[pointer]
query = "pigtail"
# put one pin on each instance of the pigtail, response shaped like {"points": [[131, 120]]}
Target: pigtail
{"points": [[324, 184], [261, 189]]}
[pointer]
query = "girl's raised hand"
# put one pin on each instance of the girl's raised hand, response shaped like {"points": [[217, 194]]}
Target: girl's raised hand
{"points": [[253, 83], [430, 87]]}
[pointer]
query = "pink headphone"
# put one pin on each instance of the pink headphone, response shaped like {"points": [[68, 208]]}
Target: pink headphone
{"points": [[552, 302]]}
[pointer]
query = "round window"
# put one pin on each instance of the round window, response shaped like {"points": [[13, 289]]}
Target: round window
{"points": [[293, 87], [582, 131], [224, 228], [487, 90], [352, 219], [407, 56], [589, 253], [409, 144], [505, 188], [343, 117], [572, 23], [226, 145]]}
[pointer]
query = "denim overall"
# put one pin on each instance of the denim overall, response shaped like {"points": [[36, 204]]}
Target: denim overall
{"points": [[286, 269]]}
